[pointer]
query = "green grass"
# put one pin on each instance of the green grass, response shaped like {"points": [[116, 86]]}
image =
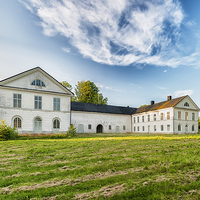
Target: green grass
{"points": [[101, 166]]}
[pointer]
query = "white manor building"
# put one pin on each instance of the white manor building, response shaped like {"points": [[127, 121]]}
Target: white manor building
{"points": [[34, 102]]}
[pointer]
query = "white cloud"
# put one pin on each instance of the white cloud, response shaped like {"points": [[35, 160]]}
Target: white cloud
{"points": [[164, 71], [190, 24], [121, 33], [66, 50], [161, 88], [183, 93]]}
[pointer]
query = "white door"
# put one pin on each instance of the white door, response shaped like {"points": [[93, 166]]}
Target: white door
{"points": [[80, 128], [38, 125], [117, 129], [186, 128]]}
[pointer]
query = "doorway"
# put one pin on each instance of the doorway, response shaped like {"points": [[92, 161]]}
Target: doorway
{"points": [[99, 129], [186, 128], [80, 128], [117, 129], [38, 125]]}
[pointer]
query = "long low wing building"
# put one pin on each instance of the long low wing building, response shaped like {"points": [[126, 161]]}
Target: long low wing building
{"points": [[35, 102]]}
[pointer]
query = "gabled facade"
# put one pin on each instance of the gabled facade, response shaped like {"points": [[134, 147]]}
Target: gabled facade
{"points": [[34, 102], [179, 115]]}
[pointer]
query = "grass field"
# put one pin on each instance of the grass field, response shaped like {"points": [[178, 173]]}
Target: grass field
{"points": [[99, 166]]}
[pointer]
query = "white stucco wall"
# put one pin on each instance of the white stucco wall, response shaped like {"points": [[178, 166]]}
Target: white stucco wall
{"points": [[105, 119], [192, 108], [151, 123], [27, 113]]}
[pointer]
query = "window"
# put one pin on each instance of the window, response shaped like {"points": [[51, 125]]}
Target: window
{"points": [[162, 128], [134, 119], [193, 127], [154, 127], [154, 117], [193, 117], [161, 116], [186, 104], [143, 128], [179, 127], [89, 126], [142, 118], [138, 128], [124, 128], [38, 82], [179, 114], [38, 102], [134, 129], [110, 127], [138, 119], [17, 100], [56, 104], [168, 127], [168, 115], [148, 118], [56, 124], [186, 115], [17, 122]]}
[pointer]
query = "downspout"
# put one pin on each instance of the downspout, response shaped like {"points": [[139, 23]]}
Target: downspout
{"points": [[70, 118], [173, 121], [131, 123]]}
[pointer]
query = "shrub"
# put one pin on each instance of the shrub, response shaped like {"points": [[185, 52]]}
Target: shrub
{"points": [[71, 130], [7, 132]]}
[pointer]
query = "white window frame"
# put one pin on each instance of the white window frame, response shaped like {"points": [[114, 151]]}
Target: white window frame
{"points": [[17, 100], [56, 104], [168, 115], [186, 115], [161, 116], [18, 121], [38, 102], [56, 122], [179, 115]]}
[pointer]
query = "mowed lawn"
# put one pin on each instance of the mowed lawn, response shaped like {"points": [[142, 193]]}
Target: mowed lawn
{"points": [[101, 167]]}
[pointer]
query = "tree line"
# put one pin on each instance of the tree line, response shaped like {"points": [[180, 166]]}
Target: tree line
{"points": [[86, 92]]}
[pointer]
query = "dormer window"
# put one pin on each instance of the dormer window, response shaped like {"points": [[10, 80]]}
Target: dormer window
{"points": [[38, 82], [186, 104]]}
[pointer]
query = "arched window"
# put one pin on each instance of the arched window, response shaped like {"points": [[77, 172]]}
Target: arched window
{"points": [[179, 127], [193, 127], [56, 124], [38, 82], [17, 122], [186, 104]]}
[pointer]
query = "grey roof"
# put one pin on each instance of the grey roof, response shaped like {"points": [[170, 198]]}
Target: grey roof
{"points": [[89, 107]]}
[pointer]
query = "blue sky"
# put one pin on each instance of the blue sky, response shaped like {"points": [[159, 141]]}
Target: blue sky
{"points": [[134, 50]]}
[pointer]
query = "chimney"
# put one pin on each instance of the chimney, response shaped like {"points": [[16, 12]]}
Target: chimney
{"points": [[152, 102], [169, 98]]}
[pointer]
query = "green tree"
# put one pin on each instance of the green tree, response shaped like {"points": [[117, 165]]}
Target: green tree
{"points": [[88, 92], [144, 105], [67, 85]]}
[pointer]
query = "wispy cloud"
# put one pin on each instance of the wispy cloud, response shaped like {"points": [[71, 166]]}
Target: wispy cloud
{"points": [[121, 33], [66, 50], [161, 88], [164, 71], [183, 92]]}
